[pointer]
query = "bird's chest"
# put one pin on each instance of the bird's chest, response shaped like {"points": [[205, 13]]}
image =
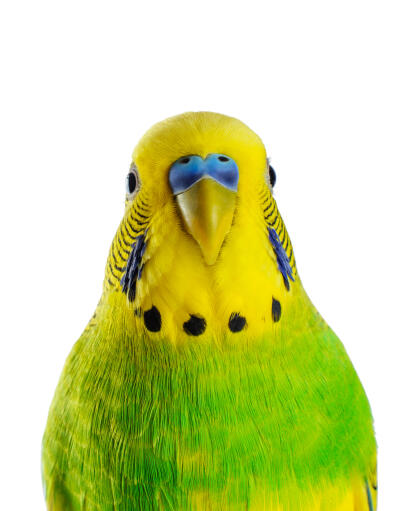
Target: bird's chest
{"points": [[205, 425], [197, 419]]}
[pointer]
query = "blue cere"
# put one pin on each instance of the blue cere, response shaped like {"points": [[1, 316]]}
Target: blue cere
{"points": [[187, 170]]}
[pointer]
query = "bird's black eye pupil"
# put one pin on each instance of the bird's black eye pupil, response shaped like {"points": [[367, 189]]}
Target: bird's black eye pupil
{"points": [[185, 160], [131, 182], [272, 176], [223, 158]]}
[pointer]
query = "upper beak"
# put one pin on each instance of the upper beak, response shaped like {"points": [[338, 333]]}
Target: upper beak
{"points": [[207, 209], [206, 193]]}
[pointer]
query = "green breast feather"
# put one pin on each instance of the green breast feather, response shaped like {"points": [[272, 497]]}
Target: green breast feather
{"points": [[132, 425]]}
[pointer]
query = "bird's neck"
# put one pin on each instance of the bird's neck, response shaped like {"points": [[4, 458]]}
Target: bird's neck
{"points": [[176, 295]]}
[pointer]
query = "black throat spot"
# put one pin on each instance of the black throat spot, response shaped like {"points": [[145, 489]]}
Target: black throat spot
{"points": [[195, 325], [276, 310], [152, 319], [236, 322]]}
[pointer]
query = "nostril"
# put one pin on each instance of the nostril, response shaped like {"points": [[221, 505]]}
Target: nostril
{"points": [[185, 160], [223, 158]]}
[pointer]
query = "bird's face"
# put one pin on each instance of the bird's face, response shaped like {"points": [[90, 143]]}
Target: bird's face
{"points": [[208, 166], [202, 249]]}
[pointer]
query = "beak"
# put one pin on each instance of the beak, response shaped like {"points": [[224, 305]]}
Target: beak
{"points": [[206, 194], [207, 209]]}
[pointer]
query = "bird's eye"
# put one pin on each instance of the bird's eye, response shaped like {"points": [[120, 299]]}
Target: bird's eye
{"points": [[132, 182], [272, 175]]}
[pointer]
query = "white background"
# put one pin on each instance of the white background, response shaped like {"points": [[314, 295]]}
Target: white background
{"points": [[324, 84]]}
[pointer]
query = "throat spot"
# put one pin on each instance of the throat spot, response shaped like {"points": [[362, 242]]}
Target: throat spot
{"points": [[196, 325]]}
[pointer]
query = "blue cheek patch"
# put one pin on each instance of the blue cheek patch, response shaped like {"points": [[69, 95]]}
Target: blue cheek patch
{"points": [[134, 267], [281, 257], [186, 171]]}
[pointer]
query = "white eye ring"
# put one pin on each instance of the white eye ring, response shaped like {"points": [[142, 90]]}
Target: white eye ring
{"points": [[132, 182]]}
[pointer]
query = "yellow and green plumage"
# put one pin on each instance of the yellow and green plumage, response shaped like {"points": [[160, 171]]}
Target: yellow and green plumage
{"points": [[206, 379]]}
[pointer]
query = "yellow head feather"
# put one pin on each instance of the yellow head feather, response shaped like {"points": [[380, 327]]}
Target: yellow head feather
{"points": [[198, 133]]}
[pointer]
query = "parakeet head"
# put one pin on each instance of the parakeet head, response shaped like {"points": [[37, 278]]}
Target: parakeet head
{"points": [[204, 165], [202, 247]]}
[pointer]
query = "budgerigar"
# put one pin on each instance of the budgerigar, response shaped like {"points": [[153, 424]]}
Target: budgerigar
{"points": [[206, 379]]}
